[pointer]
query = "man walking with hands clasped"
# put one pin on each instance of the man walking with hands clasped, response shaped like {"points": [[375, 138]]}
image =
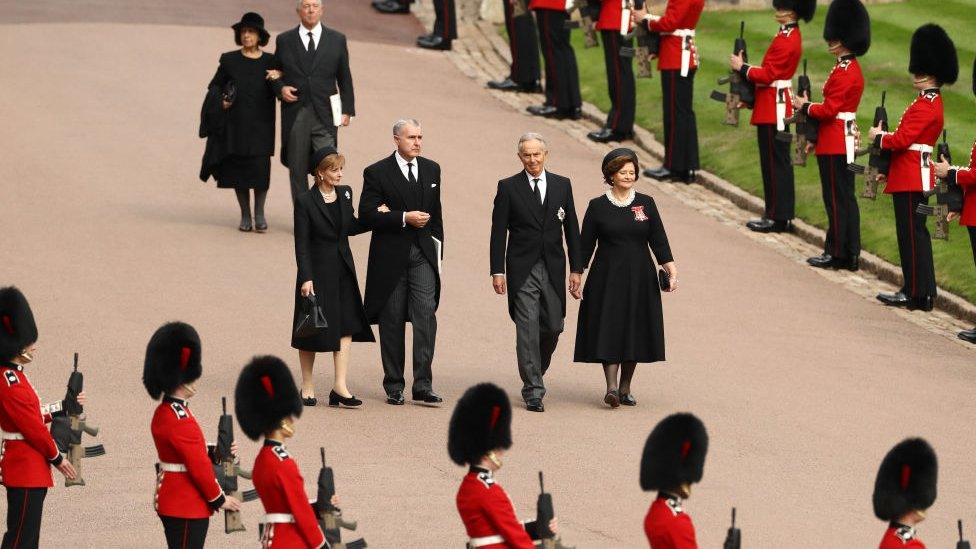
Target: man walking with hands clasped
{"points": [[533, 212]]}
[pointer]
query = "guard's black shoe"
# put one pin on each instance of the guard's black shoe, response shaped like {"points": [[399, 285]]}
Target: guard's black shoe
{"points": [[924, 303], [822, 261], [504, 85], [968, 335], [395, 399], [434, 43], [542, 110], [852, 264], [769, 226], [533, 87], [429, 397], [897, 299], [575, 113], [606, 135], [660, 174], [391, 6], [684, 176], [535, 405]]}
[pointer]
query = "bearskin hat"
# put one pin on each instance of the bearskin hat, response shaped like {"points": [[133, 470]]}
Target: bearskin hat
{"points": [[17, 327], [848, 21], [482, 422], [674, 453], [172, 359], [906, 480], [934, 54], [804, 8], [265, 395]]}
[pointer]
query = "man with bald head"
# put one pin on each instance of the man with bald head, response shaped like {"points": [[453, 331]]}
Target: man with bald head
{"points": [[315, 90], [533, 213]]}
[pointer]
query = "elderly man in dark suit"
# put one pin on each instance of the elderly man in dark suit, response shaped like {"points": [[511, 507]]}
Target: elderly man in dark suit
{"points": [[533, 213], [405, 250], [315, 65]]}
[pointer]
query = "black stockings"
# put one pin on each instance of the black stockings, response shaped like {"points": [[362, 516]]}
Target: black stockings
{"points": [[626, 375]]}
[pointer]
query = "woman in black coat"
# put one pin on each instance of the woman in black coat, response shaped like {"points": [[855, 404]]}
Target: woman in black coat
{"points": [[620, 318], [246, 142], [324, 220]]}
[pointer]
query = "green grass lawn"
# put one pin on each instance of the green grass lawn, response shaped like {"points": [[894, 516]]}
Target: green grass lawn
{"points": [[731, 152]]}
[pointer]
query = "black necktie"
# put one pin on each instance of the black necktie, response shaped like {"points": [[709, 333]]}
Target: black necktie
{"points": [[311, 44], [410, 177], [537, 190], [418, 192]]}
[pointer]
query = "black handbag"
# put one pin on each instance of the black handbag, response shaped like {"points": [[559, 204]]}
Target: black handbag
{"points": [[229, 92], [664, 279], [311, 320]]}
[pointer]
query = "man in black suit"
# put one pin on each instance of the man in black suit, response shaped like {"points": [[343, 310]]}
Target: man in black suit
{"points": [[534, 209], [315, 67], [405, 250]]}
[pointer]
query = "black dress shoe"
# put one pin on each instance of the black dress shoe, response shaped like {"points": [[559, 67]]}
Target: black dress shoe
{"points": [[245, 225], [769, 226], [430, 397], [897, 299], [822, 261], [924, 303], [628, 400], [391, 6], [542, 110], [434, 43], [335, 399], [660, 174], [968, 335], [612, 398], [606, 135], [534, 87], [309, 401], [535, 405], [395, 399], [684, 176], [504, 85], [852, 264], [575, 113]]}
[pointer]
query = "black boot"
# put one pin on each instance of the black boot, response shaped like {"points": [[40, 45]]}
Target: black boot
{"points": [[968, 335]]}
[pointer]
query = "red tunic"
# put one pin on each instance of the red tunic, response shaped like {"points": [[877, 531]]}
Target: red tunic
{"points": [[900, 537], [667, 526], [486, 510], [778, 66], [554, 5], [841, 94], [279, 484], [966, 178], [24, 463], [920, 125], [192, 494], [610, 13], [678, 15]]}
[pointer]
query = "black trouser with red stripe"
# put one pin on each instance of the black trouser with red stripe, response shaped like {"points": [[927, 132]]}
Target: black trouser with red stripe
{"points": [[182, 533], [777, 174], [914, 245], [620, 82], [524, 45], [843, 216], [562, 75], [24, 508], [680, 124], [445, 25], [972, 240]]}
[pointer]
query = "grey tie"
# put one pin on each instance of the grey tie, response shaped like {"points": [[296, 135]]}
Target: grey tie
{"points": [[537, 190]]}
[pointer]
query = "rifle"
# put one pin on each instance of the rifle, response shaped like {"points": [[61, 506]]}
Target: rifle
{"points": [[545, 512], [733, 538], [948, 196], [588, 17], [806, 127], [68, 431], [330, 516], [226, 469], [647, 43], [879, 160], [740, 89], [962, 543]]}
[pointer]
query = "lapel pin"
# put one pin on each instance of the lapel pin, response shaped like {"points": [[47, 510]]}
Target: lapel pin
{"points": [[561, 214], [347, 196]]}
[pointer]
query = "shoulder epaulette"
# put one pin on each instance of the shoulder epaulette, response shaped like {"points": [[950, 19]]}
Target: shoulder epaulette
{"points": [[675, 506], [11, 377], [486, 479], [281, 453], [905, 533], [179, 410]]}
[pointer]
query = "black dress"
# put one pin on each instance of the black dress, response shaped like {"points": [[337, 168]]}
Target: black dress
{"points": [[620, 318], [249, 134], [323, 256]]}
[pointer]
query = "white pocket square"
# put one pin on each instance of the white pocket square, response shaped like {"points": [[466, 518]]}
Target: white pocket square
{"points": [[432, 185]]}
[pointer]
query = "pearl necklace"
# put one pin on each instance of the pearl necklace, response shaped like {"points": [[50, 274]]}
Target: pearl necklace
{"points": [[328, 196], [621, 203]]}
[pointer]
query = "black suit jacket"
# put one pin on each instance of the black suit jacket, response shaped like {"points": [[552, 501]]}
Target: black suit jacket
{"points": [[389, 246], [532, 233], [326, 75]]}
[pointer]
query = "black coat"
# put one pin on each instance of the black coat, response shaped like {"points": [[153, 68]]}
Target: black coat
{"points": [[327, 75], [389, 246], [532, 233], [323, 256]]}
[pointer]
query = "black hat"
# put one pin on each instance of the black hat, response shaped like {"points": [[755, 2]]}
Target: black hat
{"points": [[848, 21], [906, 480], [617, 153], [804, 8], [674, 453], [482, 422], [251, 20], [319, 155], [172, 359], [934, 54], [265, 395], [17, 327]]}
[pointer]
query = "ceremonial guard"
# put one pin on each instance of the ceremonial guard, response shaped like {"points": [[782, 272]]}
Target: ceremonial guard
{"points": [[678, 63], [562, 75], [847, 31], [966, 179], [774, 80], [479, 434], [267, 404], [523, 42], [445, 27], [187, 492], [28, 451], [933, 64], [620, 73], [904, 489]]}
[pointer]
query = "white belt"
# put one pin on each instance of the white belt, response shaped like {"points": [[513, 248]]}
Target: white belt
{"points": [[850, 145], [684, 35], [920, 148], [680, 32], [172, 467], [12, 436], [924, 163], [847, 116], [781, 84], [278, 518], [487, 540]]}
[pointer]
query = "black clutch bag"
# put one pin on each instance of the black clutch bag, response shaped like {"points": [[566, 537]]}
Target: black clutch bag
{"points": [[664, 279], [311, 320], [229, 93]]}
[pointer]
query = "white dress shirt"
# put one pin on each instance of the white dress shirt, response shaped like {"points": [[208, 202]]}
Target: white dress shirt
{"points": [[316, 34], [542, 183]]}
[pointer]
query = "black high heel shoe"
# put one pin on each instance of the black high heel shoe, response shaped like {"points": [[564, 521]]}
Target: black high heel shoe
{"points": [[628, 400], [309, 401], [335, 399]]}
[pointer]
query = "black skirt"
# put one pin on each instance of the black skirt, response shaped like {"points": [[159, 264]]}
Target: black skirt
{"points": [[244, 172]]}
